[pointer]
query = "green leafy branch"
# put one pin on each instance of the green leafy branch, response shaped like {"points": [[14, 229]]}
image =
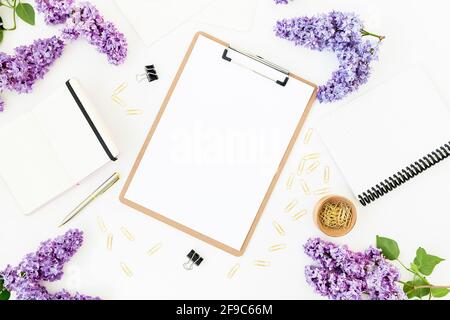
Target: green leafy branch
{"points": [[4, 294], [20, 9], [422, 266]]}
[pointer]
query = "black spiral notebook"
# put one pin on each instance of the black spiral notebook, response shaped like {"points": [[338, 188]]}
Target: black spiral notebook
{"points": [[389, 136]]}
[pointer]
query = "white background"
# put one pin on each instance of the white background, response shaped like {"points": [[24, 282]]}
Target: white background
{"points": [[416, 33]]}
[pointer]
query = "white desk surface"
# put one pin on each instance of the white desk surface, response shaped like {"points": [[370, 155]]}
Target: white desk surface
{"points": [[414, 35]]}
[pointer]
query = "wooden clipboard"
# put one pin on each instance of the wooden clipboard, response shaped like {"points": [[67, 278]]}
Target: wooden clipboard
{"points": [[297, 126]]}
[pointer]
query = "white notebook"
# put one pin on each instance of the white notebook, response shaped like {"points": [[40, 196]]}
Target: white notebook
{"points": [[53, 147], [390, 135]]}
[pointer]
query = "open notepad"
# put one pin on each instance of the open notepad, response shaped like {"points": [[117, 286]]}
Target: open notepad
{"points": [[53, 147], [390, 135]]}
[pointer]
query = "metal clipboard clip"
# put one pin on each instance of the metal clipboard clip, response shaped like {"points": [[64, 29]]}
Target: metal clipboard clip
{"points": [[259, 59]]}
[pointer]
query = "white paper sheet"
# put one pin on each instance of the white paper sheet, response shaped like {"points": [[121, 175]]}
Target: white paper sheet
{"points": [[382, 132]]}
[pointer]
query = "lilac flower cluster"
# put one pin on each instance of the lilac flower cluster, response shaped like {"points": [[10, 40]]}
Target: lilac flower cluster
{"points": [[46, 264], [55, 11], [86, 21], [341, 33], [281, 1], [346, 275], [19, 72]]}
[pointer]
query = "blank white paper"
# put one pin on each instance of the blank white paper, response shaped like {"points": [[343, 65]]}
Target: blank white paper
{"points": [[218, 145], [29, 164]]}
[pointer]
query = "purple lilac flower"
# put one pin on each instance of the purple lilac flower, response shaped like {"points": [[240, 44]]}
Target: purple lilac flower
{"points": [[346, 275], [333, 31], [19, 72], [353, 71], [86, 21], [55, 11], [341, 33], [46, 264], [281, 1]]}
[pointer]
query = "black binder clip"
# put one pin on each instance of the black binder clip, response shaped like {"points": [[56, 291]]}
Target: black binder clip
{"points": [[150, 74], [194, 259]]}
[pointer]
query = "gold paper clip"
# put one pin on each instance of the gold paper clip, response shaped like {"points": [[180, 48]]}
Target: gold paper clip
{"points": [[313, 167], [305, 188], [322, 191], [233, 271], [120, 88], [308, 136], [101, 224], [311, 156], [290, 182], [119, 101], [154, 249], [299, 214], [279, 228], [277, 247], [261, 263], [126, 269], [326, 175], [291, 205], [134, 112], [127, 233], [109, 241], [301, 167]]}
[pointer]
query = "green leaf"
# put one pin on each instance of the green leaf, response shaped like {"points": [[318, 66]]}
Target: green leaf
{"points": [[414, 267], [1, 35], [388, 247], [426, 262], [26, 12], [409, 286], [439, 292], [4, 294]]}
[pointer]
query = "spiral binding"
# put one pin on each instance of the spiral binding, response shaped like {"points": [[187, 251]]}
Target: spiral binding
{"points": [[405, 174]]}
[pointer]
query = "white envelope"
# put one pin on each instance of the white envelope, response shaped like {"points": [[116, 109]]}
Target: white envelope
{"points": [[155, 19], [238, 15]]}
